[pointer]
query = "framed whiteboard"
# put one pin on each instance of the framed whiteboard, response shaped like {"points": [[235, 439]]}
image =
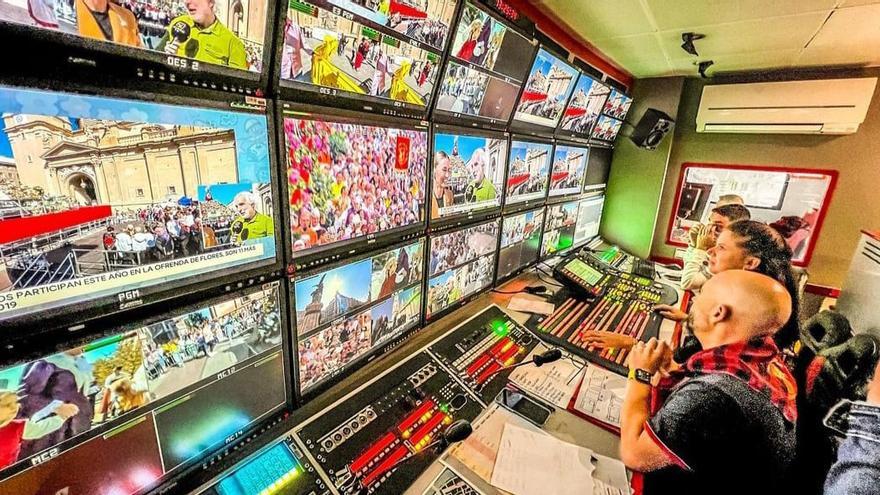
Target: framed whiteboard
{"points": [[793, 200]]}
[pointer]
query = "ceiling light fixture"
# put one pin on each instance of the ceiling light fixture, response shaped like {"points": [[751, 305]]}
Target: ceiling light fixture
{"points": [[703, 66], [687, 42]]}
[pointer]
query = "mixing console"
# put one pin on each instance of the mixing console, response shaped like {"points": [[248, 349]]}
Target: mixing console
{"points": [[478, 349], [585, 274], [379, 438]]}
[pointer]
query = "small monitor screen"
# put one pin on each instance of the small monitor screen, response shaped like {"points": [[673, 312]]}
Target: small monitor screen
{"points": [[606, 128], [348, 181], [119, 413], [461, 264], [426, 21], [588, 219], [598, 168], [108, 195], [223, 33], [520, 241], [617, 105], [486, 67], [467, 174], [332, 54], [569, 167], [585, 106], [345, 312], [559, 228], [546, 92], [527, 170]]}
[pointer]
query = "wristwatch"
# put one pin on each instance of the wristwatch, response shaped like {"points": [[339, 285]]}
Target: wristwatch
{"points": [[640, 375]]}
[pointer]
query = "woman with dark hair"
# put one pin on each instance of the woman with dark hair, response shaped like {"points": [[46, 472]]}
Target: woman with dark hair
{"points": [[742, 245]]}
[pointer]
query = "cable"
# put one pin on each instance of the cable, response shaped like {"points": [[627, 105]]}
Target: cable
{"points": [[535, 289]]}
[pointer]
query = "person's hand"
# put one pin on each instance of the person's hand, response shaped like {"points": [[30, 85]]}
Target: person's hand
{"points": [[670, 312], [604, 340], [650, 356], [67, 410], [705, 239], [694, 232], [874, 387]]}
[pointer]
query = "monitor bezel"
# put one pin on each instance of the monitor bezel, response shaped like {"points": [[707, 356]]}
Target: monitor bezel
{"points": [[560, 133], [461, 119], [503, 279], [529, 128], [573, 196], [310, 94], [464, 300], [321, 255], [468, 217], [528, 204], [80, 314], [322, 386], [58, 340], [70, 56]]}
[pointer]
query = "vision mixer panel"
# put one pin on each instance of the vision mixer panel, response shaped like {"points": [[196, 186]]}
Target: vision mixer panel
{"points": [[379, 438], [479, 349]]}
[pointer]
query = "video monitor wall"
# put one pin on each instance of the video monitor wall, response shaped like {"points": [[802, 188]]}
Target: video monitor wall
{"points": [[546, 92], [560, 223], [569, 169], [588, 219], [520, 241], [220, 33], [110, 195], [122, 412], [484, 74], [345, 57], [344, 313], [461, 263], [528, 168], [613, 113], [348, 182], [467, 174], [587, 102]]}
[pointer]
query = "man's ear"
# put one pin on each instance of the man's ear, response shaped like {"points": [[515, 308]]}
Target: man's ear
{"points": [[719, 313]]}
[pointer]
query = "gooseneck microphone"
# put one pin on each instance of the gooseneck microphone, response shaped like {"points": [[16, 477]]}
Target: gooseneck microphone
{"points": [[538, 360]]}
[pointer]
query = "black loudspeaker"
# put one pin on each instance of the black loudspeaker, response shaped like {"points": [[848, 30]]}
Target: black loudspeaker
{"points": [[651, 129]]}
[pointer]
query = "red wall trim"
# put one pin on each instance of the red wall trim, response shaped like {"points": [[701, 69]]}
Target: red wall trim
{"points": [[557, 29], [822, 290]]}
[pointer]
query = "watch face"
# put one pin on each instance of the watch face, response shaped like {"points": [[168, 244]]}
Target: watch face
{"points": [[643, 376]]}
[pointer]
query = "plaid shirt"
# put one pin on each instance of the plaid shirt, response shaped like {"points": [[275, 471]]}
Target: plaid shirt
{"points": [[757, 362]]}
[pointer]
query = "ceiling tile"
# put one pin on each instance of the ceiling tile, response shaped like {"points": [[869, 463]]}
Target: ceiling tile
{"points": [[595, 20], [854, 3], [739, 62], [640, 54], [681, 14], [850, 37], [780, 33]]}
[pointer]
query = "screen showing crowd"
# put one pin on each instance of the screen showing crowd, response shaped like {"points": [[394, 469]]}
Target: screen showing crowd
{"points": [[227, 33], [326, 50], [520, 241], [527, 171], [546, 92], [467, 174], [347, 181], [424, 21], [344, 312], [617, 105], [569, 169], [104, 195], [606, 128], [109, 410], [559, 228], [585, 105], [460, 264]]}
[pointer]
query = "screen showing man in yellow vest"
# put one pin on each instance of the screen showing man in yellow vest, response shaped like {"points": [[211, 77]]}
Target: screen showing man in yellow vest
{"points": [[200, 35], [250, 224]]}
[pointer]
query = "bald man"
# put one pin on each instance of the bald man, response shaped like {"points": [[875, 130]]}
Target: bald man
{"points": [[724, 422]]}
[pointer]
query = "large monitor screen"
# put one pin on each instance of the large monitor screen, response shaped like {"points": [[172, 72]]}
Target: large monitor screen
{"points": [[486, 67], [329, 53], [585, 105], [528, 168], [520, 241], [569, 168], [606, 129], [547, 90], [617, 105], [345, 312], [588, 219], [347, 181], [467, 174], [559, 228], [219, 33], [107, 195], [120, 413], [460, 264]]}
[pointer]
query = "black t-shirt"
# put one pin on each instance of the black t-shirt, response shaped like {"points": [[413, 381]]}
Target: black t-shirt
{"points": [[732, 439]]}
